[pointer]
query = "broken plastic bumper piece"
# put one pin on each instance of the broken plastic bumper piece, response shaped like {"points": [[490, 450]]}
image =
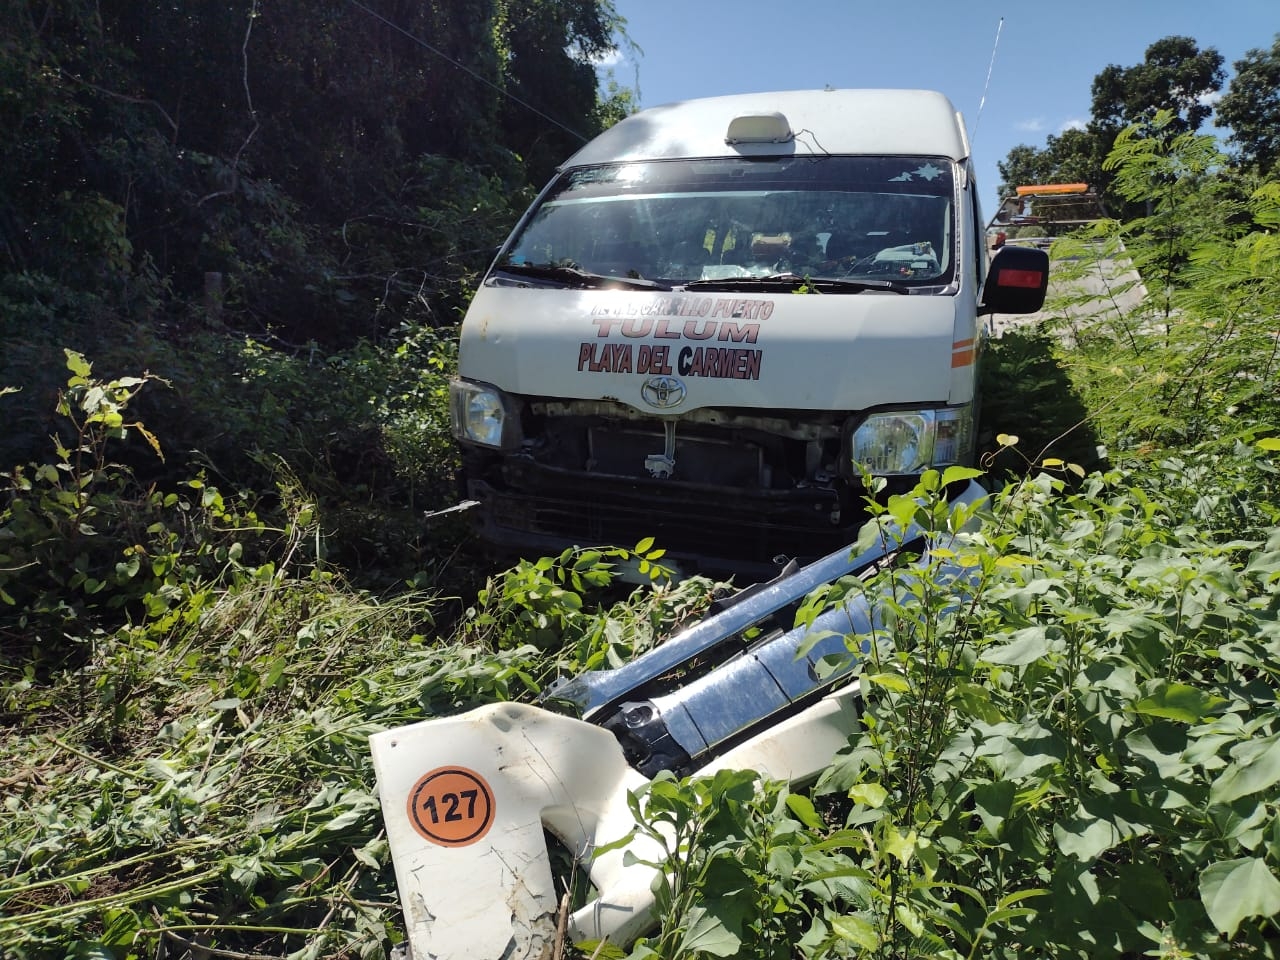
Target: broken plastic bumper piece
{"points": [[468, 800]]}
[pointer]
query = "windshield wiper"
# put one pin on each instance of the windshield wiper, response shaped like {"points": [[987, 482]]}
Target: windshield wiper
{"points": [[577, 277], [790, 281]]}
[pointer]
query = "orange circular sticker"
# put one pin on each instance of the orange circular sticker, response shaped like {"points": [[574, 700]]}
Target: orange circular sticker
{"points": [[451, 806]]}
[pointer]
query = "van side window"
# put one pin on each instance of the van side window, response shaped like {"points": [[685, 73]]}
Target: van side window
{"points": [[979, 237]]}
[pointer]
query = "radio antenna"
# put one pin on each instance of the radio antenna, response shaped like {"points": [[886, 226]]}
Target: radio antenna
{"points": [[991, 66]]}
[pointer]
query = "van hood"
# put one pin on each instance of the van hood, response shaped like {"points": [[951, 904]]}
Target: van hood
{"points": [[668, 353]]}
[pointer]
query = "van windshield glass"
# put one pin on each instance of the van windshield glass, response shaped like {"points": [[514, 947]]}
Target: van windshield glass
{"points": [[677, 221]]}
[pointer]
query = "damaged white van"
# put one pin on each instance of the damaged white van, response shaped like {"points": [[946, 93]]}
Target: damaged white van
{"points": [[719, 313]]}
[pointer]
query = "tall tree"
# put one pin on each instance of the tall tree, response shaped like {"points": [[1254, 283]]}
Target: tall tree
{"points": [[322, 155], [550, 46], [1175, 76], [1251, 108]]}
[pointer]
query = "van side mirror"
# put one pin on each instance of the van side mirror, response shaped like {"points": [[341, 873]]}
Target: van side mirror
{"points": [[1016, 281]]}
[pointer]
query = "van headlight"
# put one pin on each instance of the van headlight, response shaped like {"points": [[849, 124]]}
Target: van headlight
{"points": [[912, 441], [480, 415]]}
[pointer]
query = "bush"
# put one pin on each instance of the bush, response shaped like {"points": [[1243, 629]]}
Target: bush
{"points": [[1073, 757]]}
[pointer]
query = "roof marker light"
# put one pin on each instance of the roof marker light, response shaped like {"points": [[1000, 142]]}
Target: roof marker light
{"points": [[759, 128]]}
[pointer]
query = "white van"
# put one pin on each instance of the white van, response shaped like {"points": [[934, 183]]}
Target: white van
{"points": [[718, 313]]}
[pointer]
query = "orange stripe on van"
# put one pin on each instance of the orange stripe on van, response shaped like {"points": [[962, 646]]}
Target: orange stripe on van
{"points": [[962, 358]]}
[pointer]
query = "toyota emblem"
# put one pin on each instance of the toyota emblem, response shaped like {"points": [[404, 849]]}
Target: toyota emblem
{"points": [[663, 392]]}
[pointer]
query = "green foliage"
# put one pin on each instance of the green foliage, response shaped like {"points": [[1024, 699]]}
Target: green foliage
{"points": [[619, 103], [733, 877], [1175, 76], [570, 605], [204, 775], [281, 209], [1088, 710], [74, 527], [1198, 357], [1070, 734], [233, 805], [308, 154], [1066, 752], [364, 430], [1251, 108], [1026, 392]]}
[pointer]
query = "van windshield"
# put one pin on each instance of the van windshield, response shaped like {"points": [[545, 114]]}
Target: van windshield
{"points": [[720, 219]]}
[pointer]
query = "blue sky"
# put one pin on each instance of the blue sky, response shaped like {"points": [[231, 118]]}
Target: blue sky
{"points": [[1047, 56]]}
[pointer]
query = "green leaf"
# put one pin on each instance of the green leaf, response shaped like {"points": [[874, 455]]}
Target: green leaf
{"points": [[1145, 890], [347, 819], [1258, 771], [910, 920], [1085, 837], [889, 681], [803, 809], [1233, 890], [644, 545], [1269, 443], [1161, 744], [898, 844], [953, 474], [1178, 701], [857, 931], [869, 535], [86, 950], [903, 510], [122, 926], [1008, 913], [994, 802], [77, 364], [706, 933], [869, 795], [588, 559], [1027, 646]]}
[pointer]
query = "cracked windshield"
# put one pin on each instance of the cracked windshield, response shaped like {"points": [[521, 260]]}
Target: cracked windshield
{"points": [[677, 222]]}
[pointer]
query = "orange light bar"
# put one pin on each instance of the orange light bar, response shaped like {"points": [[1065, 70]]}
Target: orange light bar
{"points": [[1053, 188]]}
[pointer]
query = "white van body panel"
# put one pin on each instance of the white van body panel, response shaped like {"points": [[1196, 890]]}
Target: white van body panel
{"points": [[909, 122], [789, 352]]}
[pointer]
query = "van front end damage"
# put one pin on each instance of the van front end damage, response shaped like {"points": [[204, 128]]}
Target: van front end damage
{"points": [[708, 486], [725, 491], [468, 800]]}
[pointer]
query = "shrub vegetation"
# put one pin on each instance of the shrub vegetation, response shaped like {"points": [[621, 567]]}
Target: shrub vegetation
{"points": [[215, 582]]}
